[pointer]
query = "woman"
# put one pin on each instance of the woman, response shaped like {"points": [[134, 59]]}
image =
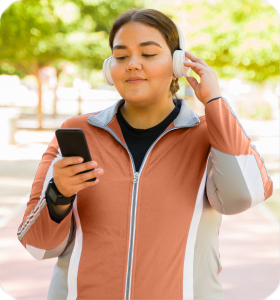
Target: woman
{"points": [[148, 228]]}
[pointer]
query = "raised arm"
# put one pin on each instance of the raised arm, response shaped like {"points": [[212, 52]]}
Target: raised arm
{"points": [[237, 177]]}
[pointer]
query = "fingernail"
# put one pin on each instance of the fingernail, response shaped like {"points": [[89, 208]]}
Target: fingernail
{"points": [[80, 159], [100, 172]]}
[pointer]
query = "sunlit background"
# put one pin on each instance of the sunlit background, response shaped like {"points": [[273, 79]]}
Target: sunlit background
{"points": [[51, 57]]}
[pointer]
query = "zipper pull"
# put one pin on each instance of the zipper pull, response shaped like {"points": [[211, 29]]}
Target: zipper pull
{"points": [[135, 177]]}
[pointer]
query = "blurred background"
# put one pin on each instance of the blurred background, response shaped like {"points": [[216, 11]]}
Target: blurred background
{"points": [[51, 57]]}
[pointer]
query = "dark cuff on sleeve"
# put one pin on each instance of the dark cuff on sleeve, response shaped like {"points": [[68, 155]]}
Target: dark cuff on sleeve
{"points": [[213, 99], [54, 216]]}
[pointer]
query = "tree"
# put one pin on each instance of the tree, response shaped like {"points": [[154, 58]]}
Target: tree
{"points": [[238, 37], [38, 33]]}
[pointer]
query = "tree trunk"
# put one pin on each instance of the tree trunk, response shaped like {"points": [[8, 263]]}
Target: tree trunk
{"points": [[79, 102], [55, 101], [55, 96], [39, 110]]}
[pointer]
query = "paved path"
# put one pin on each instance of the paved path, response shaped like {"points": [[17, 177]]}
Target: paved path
{"points": [[22, 276], [249, 252]]}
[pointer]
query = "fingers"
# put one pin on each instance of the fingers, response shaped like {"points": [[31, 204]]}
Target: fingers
{"points": [[68, 189], [80, 178], [196, 67], [195, 59], [69, 185], [73, 170], [89, 183], [66, 161]]}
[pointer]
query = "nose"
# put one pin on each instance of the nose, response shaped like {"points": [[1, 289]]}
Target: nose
{"points": [[134, 65]]}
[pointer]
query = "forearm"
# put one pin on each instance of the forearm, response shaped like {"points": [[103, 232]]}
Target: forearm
{"points": [[38, 232], [238, 178]]}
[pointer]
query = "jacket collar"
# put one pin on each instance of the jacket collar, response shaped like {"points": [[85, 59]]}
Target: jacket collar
{"points": [[186, 117]]}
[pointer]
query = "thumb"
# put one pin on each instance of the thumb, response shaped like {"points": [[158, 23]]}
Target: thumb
{"points": [[192, 81]]}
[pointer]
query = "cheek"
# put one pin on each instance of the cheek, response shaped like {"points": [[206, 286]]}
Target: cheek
{"points": [[116, 72], [161, 69]]}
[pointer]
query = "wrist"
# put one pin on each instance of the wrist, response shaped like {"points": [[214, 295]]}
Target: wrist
{"points": [[61, 209], [56, 197], [212, 98]]}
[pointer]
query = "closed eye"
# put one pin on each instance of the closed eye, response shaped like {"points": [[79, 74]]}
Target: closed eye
{"points": [[146, 55]]}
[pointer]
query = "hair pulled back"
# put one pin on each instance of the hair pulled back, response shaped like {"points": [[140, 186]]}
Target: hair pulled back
{"points": [[153, 18]]}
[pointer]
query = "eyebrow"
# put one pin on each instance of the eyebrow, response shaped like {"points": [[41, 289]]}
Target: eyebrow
{"points": [[139, 45]]}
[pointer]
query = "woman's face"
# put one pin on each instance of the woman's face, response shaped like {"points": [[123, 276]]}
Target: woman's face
{"points": [[130, 58]]}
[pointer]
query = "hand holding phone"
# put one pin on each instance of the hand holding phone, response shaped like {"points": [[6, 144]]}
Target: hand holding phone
{"points": [[69, 174]]}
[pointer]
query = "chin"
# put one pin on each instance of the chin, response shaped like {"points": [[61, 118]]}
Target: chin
{"points": [[139, 98]]}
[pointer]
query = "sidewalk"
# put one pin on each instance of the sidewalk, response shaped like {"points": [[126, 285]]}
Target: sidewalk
{"points": [[249, 252], [22, 276]]}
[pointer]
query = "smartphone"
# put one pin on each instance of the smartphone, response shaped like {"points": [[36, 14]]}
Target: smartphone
{"points": [[72, 142]]}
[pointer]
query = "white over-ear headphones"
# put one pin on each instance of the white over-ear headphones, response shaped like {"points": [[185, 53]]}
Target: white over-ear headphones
{"points": [[179, 69]]}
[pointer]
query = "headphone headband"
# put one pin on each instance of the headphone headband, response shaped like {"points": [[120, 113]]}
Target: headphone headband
{"points": [[181, 37]]}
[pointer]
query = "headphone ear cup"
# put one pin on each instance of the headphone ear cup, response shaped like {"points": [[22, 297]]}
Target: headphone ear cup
{"points": [[106, 71], [179, 57], [179, 69]]}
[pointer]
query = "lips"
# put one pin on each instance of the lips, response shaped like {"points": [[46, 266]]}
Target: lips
{"points": [[136, 81]]}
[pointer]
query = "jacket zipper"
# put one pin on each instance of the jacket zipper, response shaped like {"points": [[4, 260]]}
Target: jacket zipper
{"points": [[134, 205], [135, 182], [135, 177], [132, 233], [132, 224]]}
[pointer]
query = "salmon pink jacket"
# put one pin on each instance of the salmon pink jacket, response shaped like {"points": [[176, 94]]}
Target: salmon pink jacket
{"points": [[151, 234]]}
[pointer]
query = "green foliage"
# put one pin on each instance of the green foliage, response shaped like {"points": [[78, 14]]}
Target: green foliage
{"points": [[95, 78], [6, 68], [34, 34], [235, 37]]}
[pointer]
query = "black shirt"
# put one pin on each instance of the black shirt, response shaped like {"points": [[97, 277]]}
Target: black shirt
{"points": [[140, 140]]}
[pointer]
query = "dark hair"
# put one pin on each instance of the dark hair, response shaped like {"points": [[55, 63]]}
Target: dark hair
{"points": [[153, 18]]}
